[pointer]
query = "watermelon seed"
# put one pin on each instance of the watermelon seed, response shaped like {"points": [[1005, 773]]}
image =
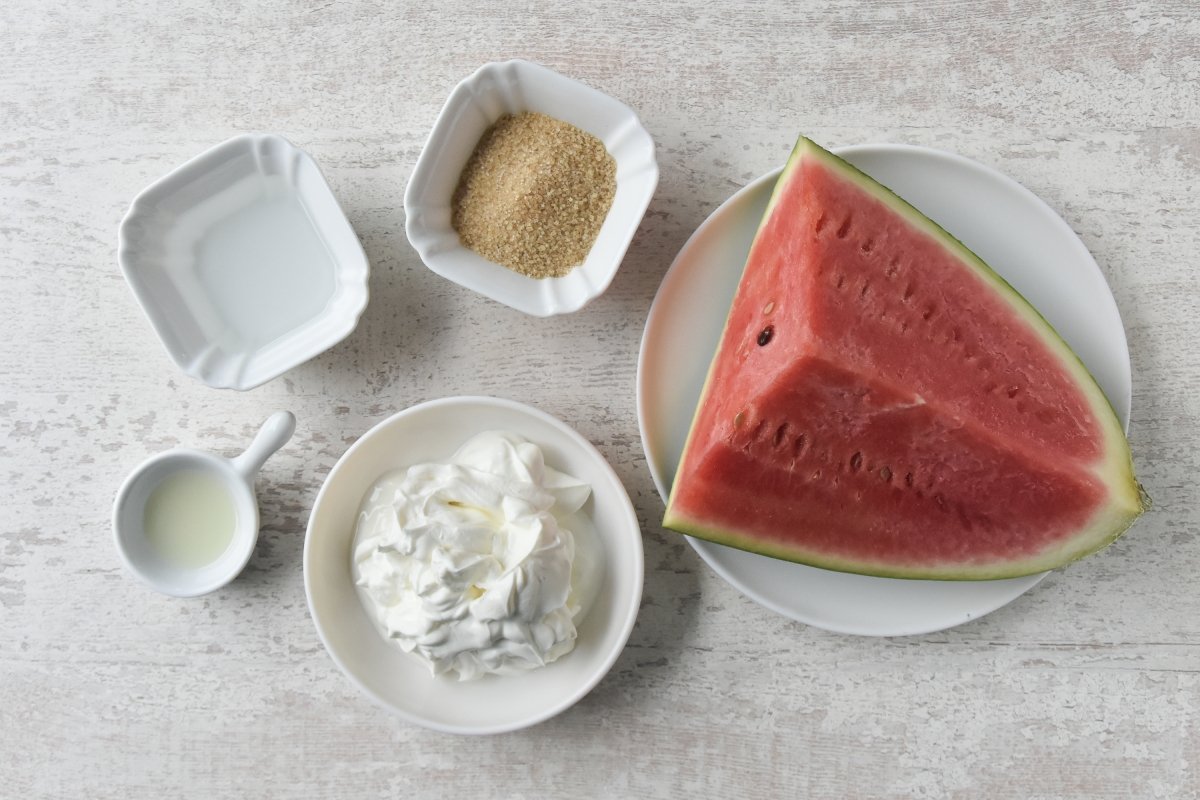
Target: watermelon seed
{"points": [[817, 475], [780, 434], [908, 292], [841, 281], [821, 222], [1013, 391], [868, 245], [904, 326], [739, 418], [856, 461], [866, 285], [886, 474], [769, 308], [908, 479], [842, 231], [766, 335], [928, 313]]}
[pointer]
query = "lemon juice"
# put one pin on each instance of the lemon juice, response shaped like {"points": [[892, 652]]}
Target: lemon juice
{"points": [[190, 518]]}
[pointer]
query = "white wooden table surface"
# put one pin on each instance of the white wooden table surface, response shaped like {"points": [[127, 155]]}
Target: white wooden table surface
{"points": [[1088, 687]]}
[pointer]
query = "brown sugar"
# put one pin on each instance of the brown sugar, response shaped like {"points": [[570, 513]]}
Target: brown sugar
{"points": [[534, 195]]}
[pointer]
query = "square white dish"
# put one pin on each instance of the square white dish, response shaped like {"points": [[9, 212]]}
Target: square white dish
{"points": [[244, 262], [510, 87]]}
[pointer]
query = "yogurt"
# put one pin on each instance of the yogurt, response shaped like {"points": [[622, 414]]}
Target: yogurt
{"points": [[481, 565]]}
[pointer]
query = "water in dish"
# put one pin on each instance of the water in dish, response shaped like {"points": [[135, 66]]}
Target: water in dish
{"points": [[249, 262], [243, 262]]}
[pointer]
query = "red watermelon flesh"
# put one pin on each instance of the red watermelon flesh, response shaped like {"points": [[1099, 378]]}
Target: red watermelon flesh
{"points": [[881, 402]]}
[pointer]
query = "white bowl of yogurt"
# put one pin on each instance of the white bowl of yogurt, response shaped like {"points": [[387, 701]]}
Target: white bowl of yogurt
{"points": [[389, 647]]}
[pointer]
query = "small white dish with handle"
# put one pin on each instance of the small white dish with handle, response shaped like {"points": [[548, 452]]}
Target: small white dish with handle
{"points": [[235, 475]]}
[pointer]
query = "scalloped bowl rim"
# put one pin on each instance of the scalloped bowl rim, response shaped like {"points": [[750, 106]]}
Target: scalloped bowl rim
{"points": [[437, 243], [352, 274]]}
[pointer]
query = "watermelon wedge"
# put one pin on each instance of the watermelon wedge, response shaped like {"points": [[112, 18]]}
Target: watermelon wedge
{"points": [[882, 402]]}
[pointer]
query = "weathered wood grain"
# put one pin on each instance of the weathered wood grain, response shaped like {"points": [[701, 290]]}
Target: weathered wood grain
{"points": [[1088, 687]]}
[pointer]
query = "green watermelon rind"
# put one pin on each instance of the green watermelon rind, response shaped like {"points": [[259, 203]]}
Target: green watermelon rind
{"points": [[954, 572], [1128, 498]]}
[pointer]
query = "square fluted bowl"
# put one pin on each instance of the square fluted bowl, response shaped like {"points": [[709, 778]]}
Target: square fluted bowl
{"points": [[243, 262], [511, 87]]}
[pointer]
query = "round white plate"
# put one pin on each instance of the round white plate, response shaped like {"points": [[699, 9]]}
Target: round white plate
{"points": [[400, 682], [1003, 222]]}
